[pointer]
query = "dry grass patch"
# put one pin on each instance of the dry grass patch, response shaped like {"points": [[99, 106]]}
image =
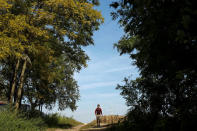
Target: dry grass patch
{"points": [[105, 120]]}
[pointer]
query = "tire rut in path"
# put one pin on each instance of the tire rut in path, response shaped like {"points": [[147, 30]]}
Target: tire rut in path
{"points": [[76, 128], [103, 127]]}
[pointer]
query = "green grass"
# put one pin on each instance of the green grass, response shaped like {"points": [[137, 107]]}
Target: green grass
{"points": [[57, 121], [33, 121], [10, 121]]}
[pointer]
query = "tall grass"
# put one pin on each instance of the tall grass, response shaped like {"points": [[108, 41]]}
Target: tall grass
{"points": [[33, 121], [57, 121], [10, 121]]}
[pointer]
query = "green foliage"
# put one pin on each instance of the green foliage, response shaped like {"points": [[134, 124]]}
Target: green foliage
{"points": [[57, 121], [33, 120], [9, 121], [161, 37], [49, 36]]}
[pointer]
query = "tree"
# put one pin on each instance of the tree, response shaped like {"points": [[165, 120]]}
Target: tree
{"points": [[50, 34], [161, 38]]}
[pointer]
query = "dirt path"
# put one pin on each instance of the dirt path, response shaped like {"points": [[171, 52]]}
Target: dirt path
{"points": [[101, 128], [76, 128]]}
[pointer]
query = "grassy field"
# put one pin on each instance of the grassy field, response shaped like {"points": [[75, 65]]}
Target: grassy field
{"points": [[10, 121]]}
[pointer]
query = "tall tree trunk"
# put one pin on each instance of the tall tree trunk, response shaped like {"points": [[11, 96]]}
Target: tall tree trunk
{"points": [[19, 94], [41, 108], [14, 82], [21, 98]]}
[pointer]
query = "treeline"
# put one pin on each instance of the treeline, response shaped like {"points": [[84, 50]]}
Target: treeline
{"points": [[41, 47], [161, 38]]}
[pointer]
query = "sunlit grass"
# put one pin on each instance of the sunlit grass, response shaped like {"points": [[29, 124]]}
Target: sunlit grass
{"points": [[10, 121], [57, 121]]}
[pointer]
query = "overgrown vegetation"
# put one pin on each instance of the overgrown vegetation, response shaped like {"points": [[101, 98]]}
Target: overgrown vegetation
{"points": [[33, 121], [58, 121], [11, 121], [161, 38]]}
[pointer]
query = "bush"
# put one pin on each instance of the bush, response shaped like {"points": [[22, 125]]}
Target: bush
{"points": [[10, 121], [140, 121]]}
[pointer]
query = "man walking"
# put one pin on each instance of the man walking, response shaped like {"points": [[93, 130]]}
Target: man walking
{"points": [[98, 113]]}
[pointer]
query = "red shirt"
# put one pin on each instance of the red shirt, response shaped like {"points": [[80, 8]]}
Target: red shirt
{"points": [[98, 111]]}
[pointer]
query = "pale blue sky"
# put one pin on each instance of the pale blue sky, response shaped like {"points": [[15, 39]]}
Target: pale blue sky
{"points": [[105, 70]]}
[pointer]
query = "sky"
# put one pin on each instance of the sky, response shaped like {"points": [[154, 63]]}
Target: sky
{"points": [[106, 68]]}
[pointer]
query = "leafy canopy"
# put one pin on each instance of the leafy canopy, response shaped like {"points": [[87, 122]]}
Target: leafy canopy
{"points": [[161, 38], [51, 33]]}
